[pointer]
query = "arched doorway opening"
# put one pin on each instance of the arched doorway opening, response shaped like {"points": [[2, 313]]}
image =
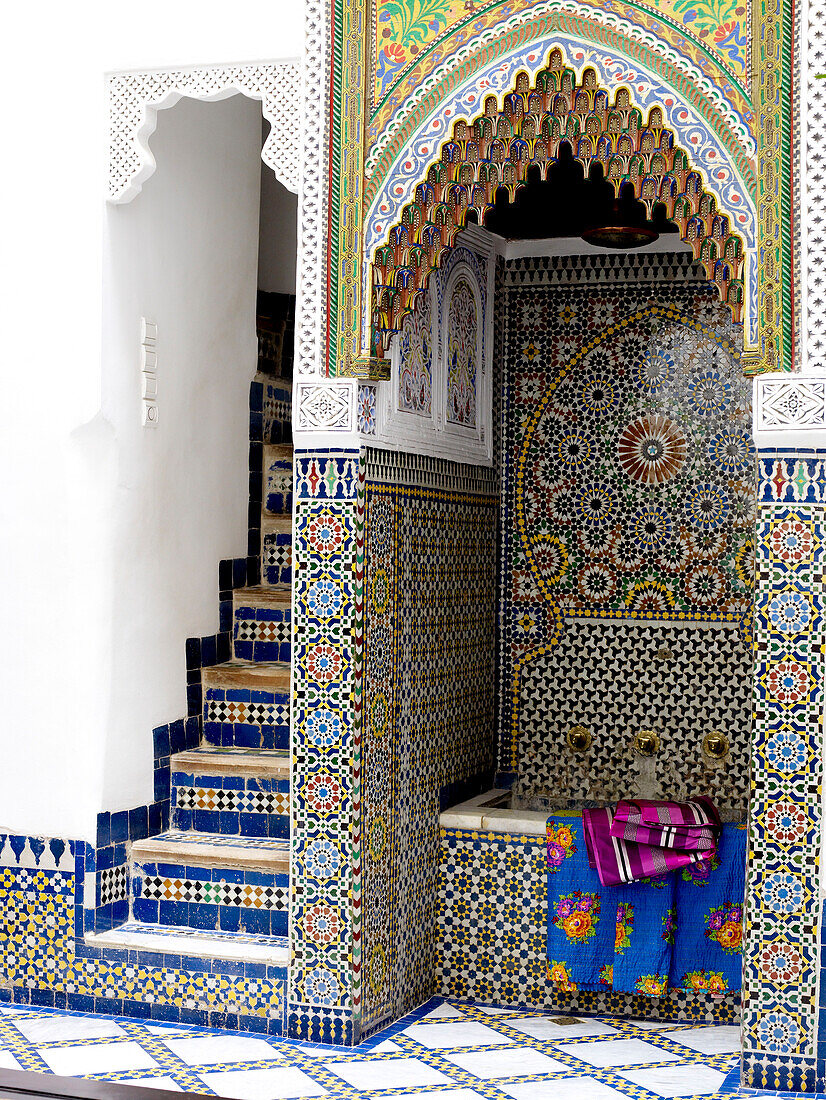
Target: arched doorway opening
{"points": [[621, 479]]}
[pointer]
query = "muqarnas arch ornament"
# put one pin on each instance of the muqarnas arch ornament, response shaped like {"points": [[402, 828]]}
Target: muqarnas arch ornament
{"points": [[497, 149]]}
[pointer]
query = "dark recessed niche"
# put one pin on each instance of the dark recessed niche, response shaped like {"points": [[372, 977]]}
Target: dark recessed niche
{"points": [[568, 204]]}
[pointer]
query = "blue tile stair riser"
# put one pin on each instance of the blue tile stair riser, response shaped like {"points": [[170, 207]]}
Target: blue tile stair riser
{"points": [[192, 897], [278, 504], [275, 415], [277, 557], [262, 634], [231, 805], [278, 485], [246, 718]]}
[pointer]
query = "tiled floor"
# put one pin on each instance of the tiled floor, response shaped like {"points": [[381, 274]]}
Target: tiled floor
{"points": [[442, 1052]]}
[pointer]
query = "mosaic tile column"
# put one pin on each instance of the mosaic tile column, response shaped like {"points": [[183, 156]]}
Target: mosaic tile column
{"points": [[781, 959], [325, 933]]}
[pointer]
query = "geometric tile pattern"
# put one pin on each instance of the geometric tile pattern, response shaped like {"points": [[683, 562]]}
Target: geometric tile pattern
{"points": [[439, 1051], [325, 973], [277, 558], [626, 488], [248, 630], [213, 893], [113, 884], [492, 920], [276, 414], [782, 1048], [278, 485], [228, 804], [41, 890], [583, 679], [226, 710], [430, 574], [262, 634], [247, 717], [220, 898], [253, 802]]}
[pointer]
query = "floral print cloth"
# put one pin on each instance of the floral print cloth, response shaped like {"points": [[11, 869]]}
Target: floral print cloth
{"points": [[683, 929]]}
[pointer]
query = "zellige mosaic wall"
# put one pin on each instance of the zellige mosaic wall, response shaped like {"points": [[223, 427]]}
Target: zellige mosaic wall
{"points": [[429, 701], [627, 530]]}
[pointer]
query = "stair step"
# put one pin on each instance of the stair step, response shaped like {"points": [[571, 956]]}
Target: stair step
{"points": [[247, 705], [269, 763], [254, 802], [170, 940], [208, 850], [278, 450], [269, 676], [278, 479], [277, 549], [263, 595], [262, 623], [277, 525]]}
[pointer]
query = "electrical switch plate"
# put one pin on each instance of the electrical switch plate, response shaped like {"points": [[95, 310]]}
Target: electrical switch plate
{"points": [[149, 358], [149, 386], [150, 414], [149, 331]]}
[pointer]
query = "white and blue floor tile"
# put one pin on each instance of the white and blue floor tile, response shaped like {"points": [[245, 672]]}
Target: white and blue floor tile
{"points": [[440, 1052]]}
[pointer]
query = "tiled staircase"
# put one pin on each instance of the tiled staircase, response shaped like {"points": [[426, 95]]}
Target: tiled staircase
{"points": [[216, 883]]}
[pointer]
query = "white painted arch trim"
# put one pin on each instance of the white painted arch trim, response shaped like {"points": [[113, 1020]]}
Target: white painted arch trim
{"points": [[136, 97]]}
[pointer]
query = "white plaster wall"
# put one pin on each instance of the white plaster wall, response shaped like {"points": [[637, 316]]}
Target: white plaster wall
{"points": [[278, 241], [184, 253], [81, 530]]}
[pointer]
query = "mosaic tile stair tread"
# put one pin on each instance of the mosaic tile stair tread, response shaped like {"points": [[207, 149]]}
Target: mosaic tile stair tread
{"points": [[176, 847], [174, 940], [280, 451], [263, 595], [209, 760], [271, 676], [278, 524]]}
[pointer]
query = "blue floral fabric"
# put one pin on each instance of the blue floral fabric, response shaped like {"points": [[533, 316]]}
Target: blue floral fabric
{"points": [[684, 929]]}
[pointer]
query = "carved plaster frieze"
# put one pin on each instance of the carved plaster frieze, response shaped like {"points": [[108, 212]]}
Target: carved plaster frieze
{"points": [[788, 404], [292, 149], [135, 99], [328, 406]]}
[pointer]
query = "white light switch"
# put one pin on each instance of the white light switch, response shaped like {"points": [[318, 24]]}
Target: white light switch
{"points": [[149, 377]]}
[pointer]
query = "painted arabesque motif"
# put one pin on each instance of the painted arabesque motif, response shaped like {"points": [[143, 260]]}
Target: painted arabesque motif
{"points": [[405, 30], [416, 360], [462, 365], [497, 149]]}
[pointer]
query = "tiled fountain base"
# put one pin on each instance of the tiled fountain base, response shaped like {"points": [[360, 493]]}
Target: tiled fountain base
{"points": [[441, 1052]]}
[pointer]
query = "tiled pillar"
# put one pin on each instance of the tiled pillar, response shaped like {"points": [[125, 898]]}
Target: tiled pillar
{"points": [[325, 928], [781, 1049]]}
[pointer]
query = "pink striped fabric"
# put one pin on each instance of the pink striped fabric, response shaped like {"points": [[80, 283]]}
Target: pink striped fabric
{"points": [[693, 825], [618, 860]]}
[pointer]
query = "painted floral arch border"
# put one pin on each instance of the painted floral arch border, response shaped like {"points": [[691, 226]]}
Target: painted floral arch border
{"points": [[498, 147]]}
